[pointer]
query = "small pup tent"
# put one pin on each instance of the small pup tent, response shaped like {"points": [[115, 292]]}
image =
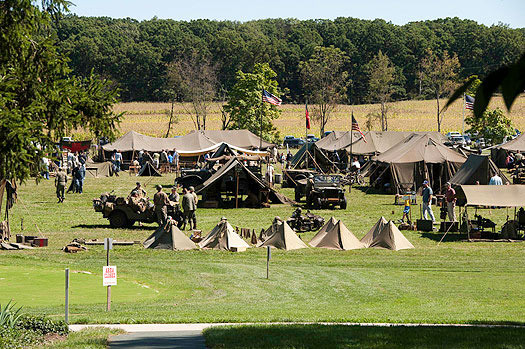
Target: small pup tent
{"points": [[386, 235], [338, 237], [224, 237], [284, 238], [169, 237]]}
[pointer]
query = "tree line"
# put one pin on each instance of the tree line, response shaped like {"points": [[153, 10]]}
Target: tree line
{"points": [[142, 57]]}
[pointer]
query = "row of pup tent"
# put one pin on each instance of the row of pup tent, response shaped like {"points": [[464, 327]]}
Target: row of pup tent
{"points": [[193, 144], [235, 180], [333, 235], [407, 164], [499, 153]]}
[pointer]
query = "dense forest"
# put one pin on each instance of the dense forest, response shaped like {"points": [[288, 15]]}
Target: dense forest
{"points": [[135, 55]]}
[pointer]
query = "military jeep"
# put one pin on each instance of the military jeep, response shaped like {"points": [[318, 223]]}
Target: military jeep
{"points": [[121, 213], [327, 191]]}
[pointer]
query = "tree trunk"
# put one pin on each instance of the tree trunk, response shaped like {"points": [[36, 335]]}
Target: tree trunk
{"points": [[438, 121]]}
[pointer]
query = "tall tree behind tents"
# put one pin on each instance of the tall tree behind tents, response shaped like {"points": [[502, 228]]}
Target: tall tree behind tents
{"points": [[438, 77], [325, 81], [380, 84], [493, 125], [39, 98], [245, 107], [194, 77]]}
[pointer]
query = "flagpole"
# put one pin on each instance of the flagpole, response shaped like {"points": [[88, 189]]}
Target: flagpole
{"points": [[463, 123], [351, 145], [260, 116], [306, 136]]}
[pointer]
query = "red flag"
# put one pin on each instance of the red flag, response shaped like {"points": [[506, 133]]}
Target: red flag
{"points": [[307, 117]]}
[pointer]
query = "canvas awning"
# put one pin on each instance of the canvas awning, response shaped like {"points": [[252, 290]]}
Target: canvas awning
{"points": [[236, 138], [492, 195], [517, 144]]}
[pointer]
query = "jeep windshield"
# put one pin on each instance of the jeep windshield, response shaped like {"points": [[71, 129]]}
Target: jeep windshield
{"points": [[326, 179]]}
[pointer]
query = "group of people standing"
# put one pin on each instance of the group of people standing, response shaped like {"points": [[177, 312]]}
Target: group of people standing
{"points": [[157, 159], [189, 201], [76, 166]]}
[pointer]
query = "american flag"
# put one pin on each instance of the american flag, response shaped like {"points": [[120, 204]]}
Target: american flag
{"points": [[355, 127], [307, 117], [469, 102], [269, 98]]}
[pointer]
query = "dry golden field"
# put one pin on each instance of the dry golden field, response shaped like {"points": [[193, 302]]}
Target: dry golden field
{"points": [[152, 118]]}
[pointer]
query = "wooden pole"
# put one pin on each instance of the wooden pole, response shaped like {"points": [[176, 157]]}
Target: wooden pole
{"points": [[108, 305]]}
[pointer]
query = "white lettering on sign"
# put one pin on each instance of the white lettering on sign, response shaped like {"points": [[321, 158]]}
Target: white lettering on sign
{"points": [[109, 273]]}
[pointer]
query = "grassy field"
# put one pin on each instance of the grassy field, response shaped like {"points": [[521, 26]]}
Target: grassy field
{"points": [[455, 282], [331, 336], [151, 118]]}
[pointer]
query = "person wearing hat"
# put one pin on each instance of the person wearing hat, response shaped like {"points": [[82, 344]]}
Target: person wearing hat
{"points": [[161, 201], [141, 193], [174, 196], [188, 206], [427, 201], [450, 198]]}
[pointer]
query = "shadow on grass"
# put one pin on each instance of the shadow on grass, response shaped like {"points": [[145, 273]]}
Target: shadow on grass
{"points": [[341, 336], [107, 226], [450, 237]]}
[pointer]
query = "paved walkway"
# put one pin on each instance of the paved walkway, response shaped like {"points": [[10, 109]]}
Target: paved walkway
{"points": [[180, 336]]}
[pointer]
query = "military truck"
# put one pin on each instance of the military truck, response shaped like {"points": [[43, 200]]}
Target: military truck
{"points": [[121, 213], [327, 191]]}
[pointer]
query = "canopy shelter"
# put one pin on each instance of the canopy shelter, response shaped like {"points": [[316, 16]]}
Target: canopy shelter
{"points": [[386, 235], [309, 156], [417, 158], [169, 237], [283, 238], [491, 195], [237, 138], [191, 145], [477, 168], [224, 237], [234, 185], [336, 237]]}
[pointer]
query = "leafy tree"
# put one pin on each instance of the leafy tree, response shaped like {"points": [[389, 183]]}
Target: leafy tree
{"points": [[471, 91], [325, 81], [40, 101], [493, 125], [380, 84], [195, 79], [438, 76], [245, 107]]}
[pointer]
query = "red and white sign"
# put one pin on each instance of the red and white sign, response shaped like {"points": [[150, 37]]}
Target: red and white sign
{"points": [[109, 273]]}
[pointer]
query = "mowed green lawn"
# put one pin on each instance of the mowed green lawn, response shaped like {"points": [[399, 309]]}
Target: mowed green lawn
{"points": [[456, 282]]}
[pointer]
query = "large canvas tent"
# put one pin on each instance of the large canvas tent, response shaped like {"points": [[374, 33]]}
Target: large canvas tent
{"points": [[499, 153], [221, 188], [309, 156], [477, 168], [283, 238], [336, 237], [237, 138], [386, 235], [338, 140], [169, 237], [419, 157], [224, 237]]}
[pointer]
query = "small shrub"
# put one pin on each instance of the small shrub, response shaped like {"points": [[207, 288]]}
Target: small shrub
{"points": [[17, 338], [9, 316], [42, 325]]}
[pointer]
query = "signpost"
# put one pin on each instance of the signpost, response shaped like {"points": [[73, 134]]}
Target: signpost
{"points": [[268, 257], [109, 272]]}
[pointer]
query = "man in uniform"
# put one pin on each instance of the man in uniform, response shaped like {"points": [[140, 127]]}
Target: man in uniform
{"points": [[309, 187], [141, 193], [189, 205], [60, 183], [160, 199], [174, 196]]}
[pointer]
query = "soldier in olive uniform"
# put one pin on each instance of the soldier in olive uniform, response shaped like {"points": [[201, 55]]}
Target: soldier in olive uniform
{"points": [[60, 183], [189, 205], [161, 201]]}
